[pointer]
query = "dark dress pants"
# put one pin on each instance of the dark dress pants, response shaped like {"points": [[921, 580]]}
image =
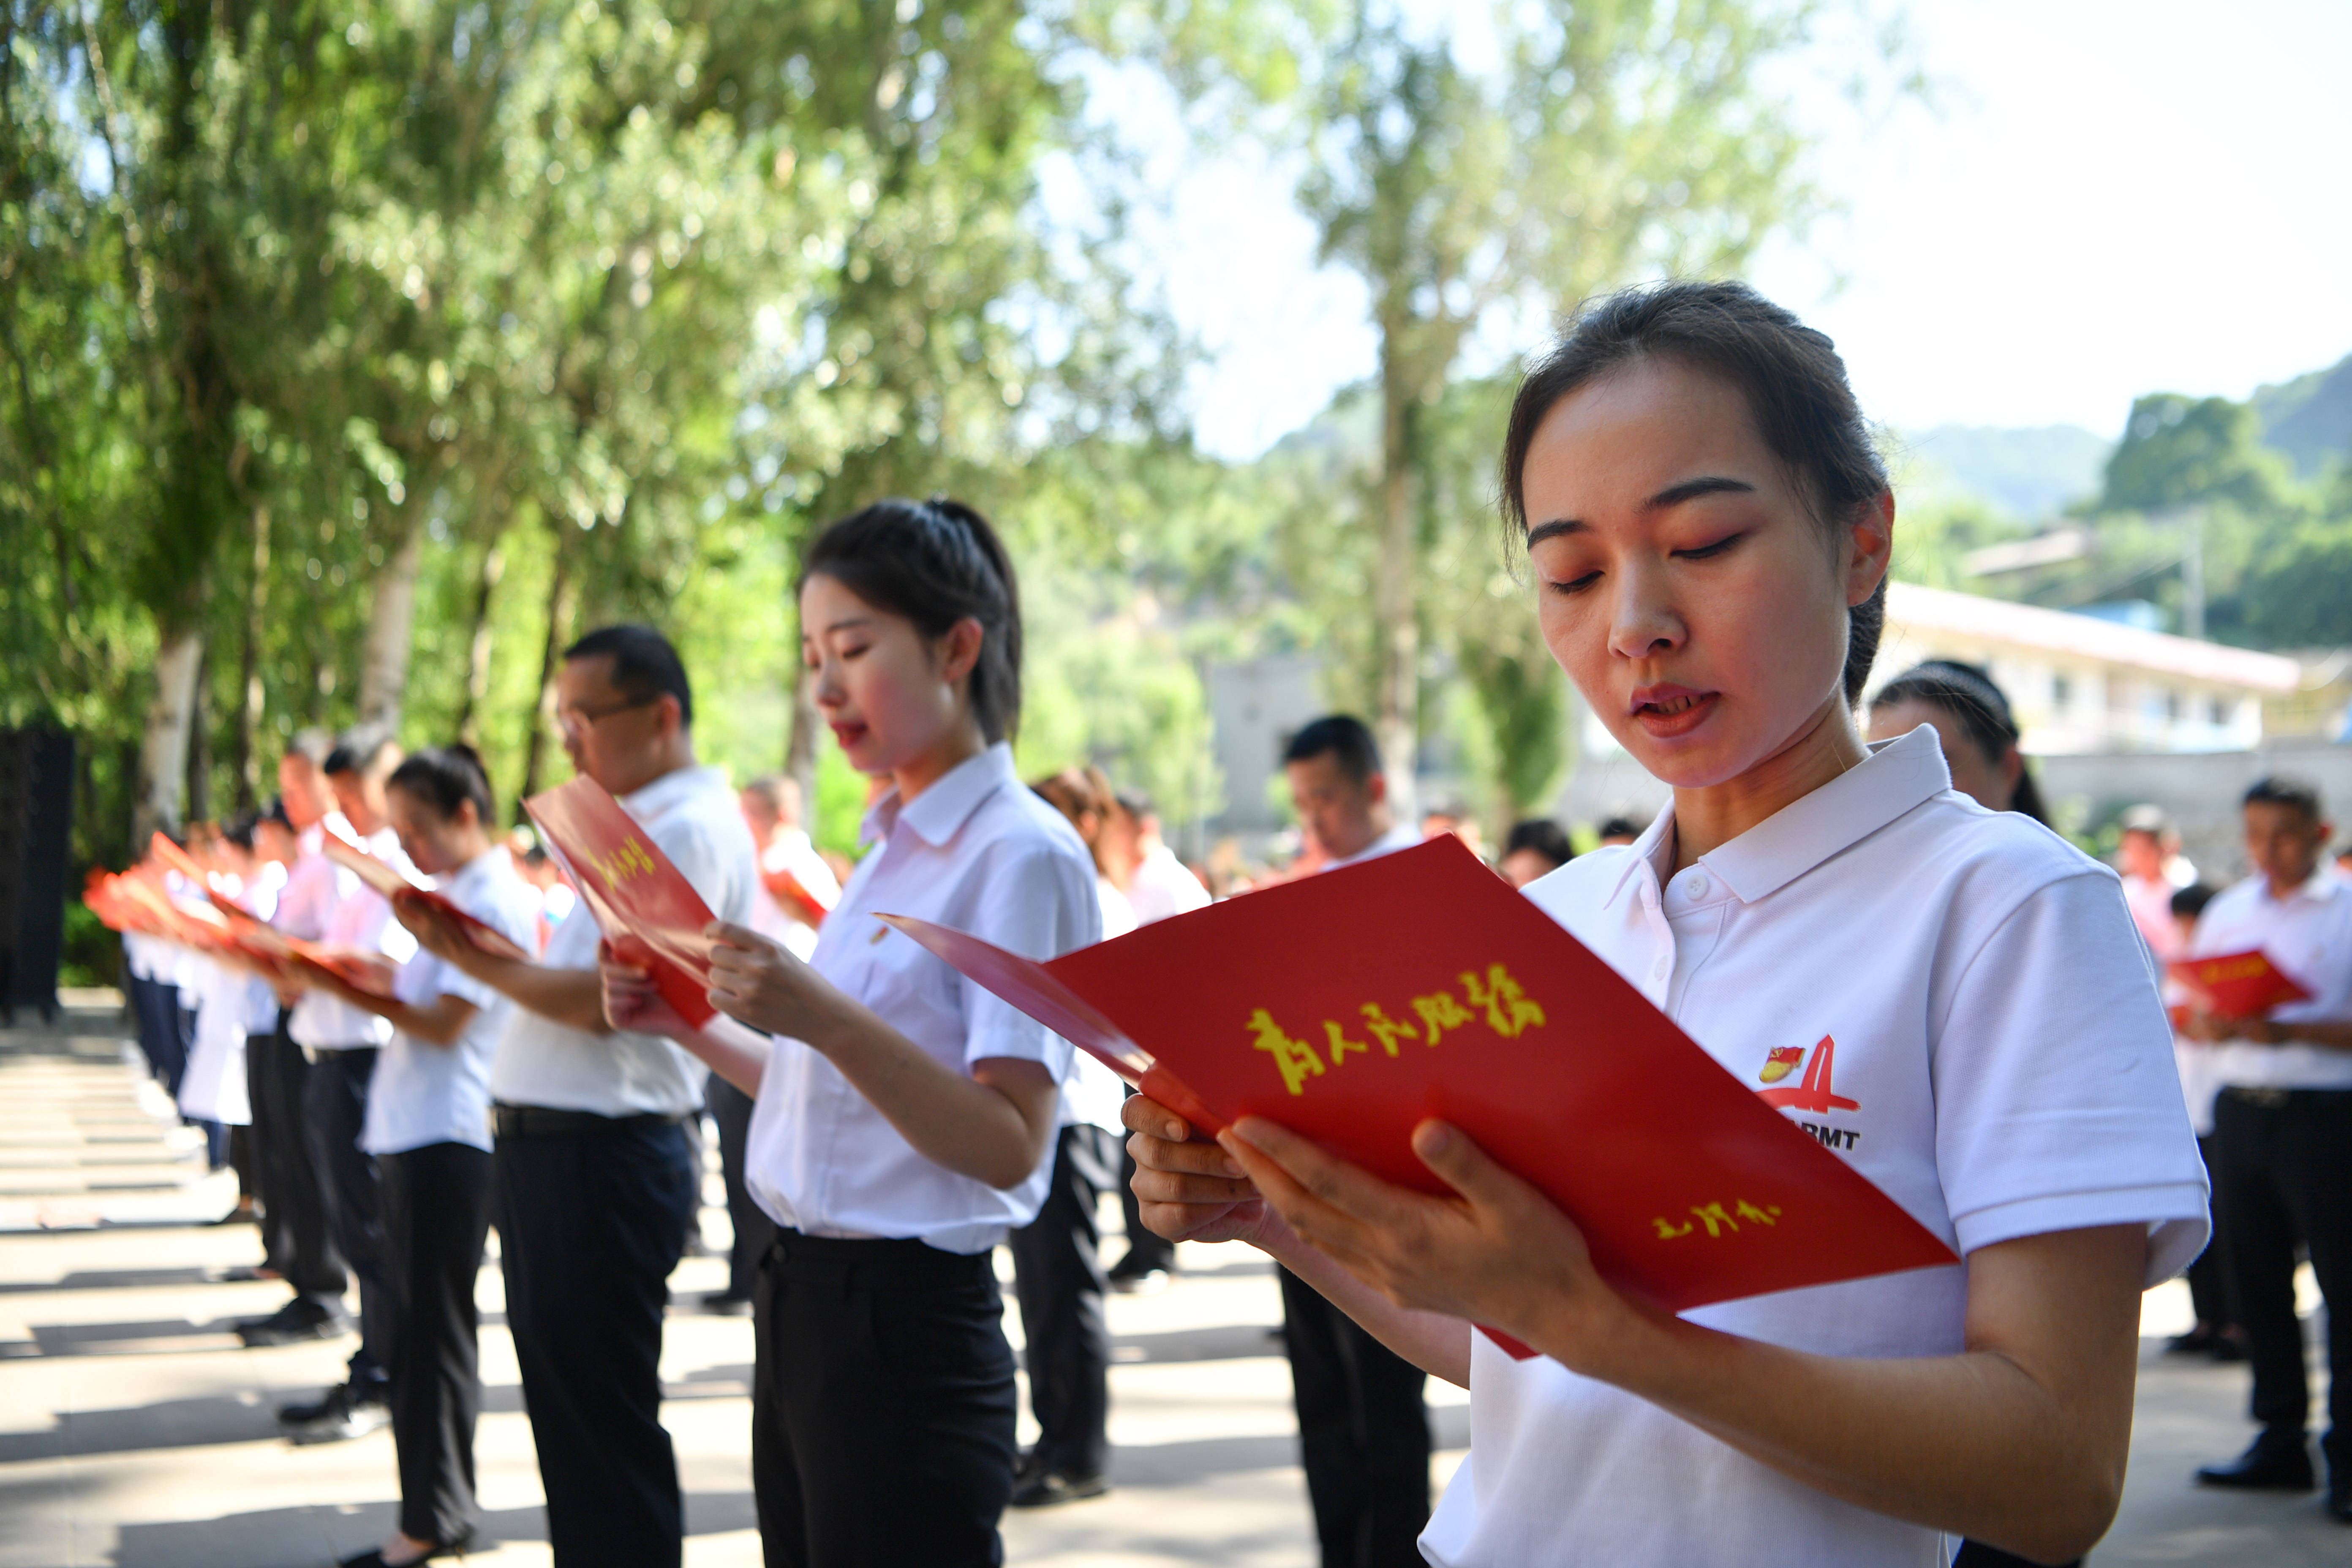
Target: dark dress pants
{"points": [[1363, 1434], [2282, 1174], [591, 1223], [334, 1108], [155, 1009], [883, 1409], [2208, 1286], [730, 1108], [437, 1214], [1058, 1278], [1144, 1249], [293, 1216]]}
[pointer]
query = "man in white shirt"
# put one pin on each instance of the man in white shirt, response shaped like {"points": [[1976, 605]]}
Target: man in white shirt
{"points": [[2282, 1135], [2146, 846], [1364, 1430], [597, 1178], [298, 1235]]}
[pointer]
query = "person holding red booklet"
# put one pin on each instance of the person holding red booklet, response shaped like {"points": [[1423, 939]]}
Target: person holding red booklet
{"points": [[1952, 999], [905, 1120], [2281, 1140]]}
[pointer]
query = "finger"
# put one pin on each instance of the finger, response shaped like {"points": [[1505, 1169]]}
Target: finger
{"points": [[1315, 1221], [1331, 1180], [728, 934], [1469, 1169], [1198, 1158], [1141, 1113], [1175, 1187]]}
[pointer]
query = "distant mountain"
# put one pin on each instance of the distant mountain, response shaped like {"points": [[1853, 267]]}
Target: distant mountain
{"points": [[2029, 473], [2310, 417]]}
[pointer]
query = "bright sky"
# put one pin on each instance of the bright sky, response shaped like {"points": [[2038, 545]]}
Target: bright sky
{"points": [[2112, 197]]}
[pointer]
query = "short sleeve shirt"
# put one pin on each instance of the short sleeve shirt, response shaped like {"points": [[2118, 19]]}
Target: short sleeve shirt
{"points": [[2307, 936], [357, 917], [692, 816], [1953, 1001], [978, 851], [422, 1093]]}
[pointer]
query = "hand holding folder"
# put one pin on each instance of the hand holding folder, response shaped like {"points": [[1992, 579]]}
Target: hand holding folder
{"points": [[1351, 1007], [644, 904], [386, 879]]}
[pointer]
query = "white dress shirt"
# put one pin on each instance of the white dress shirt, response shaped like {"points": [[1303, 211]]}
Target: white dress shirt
{"points": [[1398, 837], [314, 884], [361, 919], [2307, 936], [1979, 1033], [691, 815], [978, 851], [1092, 1094], [422, 1093], [1162, 887]]}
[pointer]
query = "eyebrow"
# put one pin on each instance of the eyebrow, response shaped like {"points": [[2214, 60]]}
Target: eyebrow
{"points": [[844, 623], [1671, 496]]}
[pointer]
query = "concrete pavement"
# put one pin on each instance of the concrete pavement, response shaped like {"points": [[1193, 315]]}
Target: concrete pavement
{"points": [[135, 1430]]}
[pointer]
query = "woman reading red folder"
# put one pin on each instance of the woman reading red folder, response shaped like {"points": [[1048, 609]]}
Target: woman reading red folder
{"points": [[1952, 999]]}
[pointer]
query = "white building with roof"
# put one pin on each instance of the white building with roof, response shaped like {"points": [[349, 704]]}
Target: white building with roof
{"points": [[2076, 684]]}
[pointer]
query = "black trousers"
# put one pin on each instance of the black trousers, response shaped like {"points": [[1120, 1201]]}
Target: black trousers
{"points": [[591, 1224], [162, 1035], [2282, 1174], [293, 1216], [730, 1108], [1363, 1434], [334, 1108], [437, 1214], [1144, 1249], [883, 1410], [1058, 1278], [2208, 1286]]}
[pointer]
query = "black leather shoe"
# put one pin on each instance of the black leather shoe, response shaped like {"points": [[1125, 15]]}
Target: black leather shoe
{"points": [[299, 1320], [2339, 1499], [2275, 1462], [1047, 1488], [374, 1558]]}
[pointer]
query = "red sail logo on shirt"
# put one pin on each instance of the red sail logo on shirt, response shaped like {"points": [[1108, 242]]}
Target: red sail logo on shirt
{"points": [[1780, 1063], [1813, 1092]]}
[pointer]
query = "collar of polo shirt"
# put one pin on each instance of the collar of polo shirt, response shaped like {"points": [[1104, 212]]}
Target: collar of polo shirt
{"points": [[1898, 775], [940, 813], [2323, 884]]}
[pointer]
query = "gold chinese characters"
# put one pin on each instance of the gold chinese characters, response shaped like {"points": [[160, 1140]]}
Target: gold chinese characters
{"points": [[1507, 1008], [1717, 1220]]}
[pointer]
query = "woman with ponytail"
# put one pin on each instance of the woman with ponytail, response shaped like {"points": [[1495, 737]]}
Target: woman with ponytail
{"points": [[1953, 1001], [904, 1119], [428, 1129]]}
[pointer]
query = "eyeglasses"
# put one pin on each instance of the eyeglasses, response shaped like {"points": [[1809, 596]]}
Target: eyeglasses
{"points": [[577, 721]]}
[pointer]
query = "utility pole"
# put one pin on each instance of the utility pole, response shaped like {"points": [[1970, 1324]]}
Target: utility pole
{"points": [[2193, 574]]}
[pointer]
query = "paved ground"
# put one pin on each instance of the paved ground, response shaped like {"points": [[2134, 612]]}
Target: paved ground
{"points": [[135, 1431]]}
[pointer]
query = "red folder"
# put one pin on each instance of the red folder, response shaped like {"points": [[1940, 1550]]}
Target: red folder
{"points": [[2237, 984], [644, 904], [1350, 1006], [386, 879]]}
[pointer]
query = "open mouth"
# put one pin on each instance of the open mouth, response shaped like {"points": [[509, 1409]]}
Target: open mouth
{"points": [[1671, 712]]}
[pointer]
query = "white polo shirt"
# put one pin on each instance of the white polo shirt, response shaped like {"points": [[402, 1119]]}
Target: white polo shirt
{"points": [[360, 917], [314, 884], [2308, 936], [1397, 837], [790, 850], [691, 815], [1162, 887], [1093, 1094], [979, 851], [422, 1093], [1976, 1029]]}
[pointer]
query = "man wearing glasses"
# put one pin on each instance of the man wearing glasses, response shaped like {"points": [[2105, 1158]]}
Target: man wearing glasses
{"points": [[597, 1176]]}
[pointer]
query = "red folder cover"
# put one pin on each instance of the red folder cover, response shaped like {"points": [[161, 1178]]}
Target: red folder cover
{"points": [[386, 879], [1350, 1006], [644, 904], [2237, 984]]}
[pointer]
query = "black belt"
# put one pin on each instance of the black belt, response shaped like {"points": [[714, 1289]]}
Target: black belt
{"points": [[2280, 1099], [542, 1121], [883, 1262]]}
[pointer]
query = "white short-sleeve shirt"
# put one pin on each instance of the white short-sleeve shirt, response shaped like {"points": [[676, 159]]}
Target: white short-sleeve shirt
{"points": [[978, 851], [791, 851], [1978, 1031], [2307, 935], [422, 1093], [360, 917], [692, 816], [1162, 887]]}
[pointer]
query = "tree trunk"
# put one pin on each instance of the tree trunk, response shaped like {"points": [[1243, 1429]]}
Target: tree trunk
{"points": [[250, 712], [561, 600], [200, 745], [164, 753], [1396, 715], [477, 665], [383, 668]]}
